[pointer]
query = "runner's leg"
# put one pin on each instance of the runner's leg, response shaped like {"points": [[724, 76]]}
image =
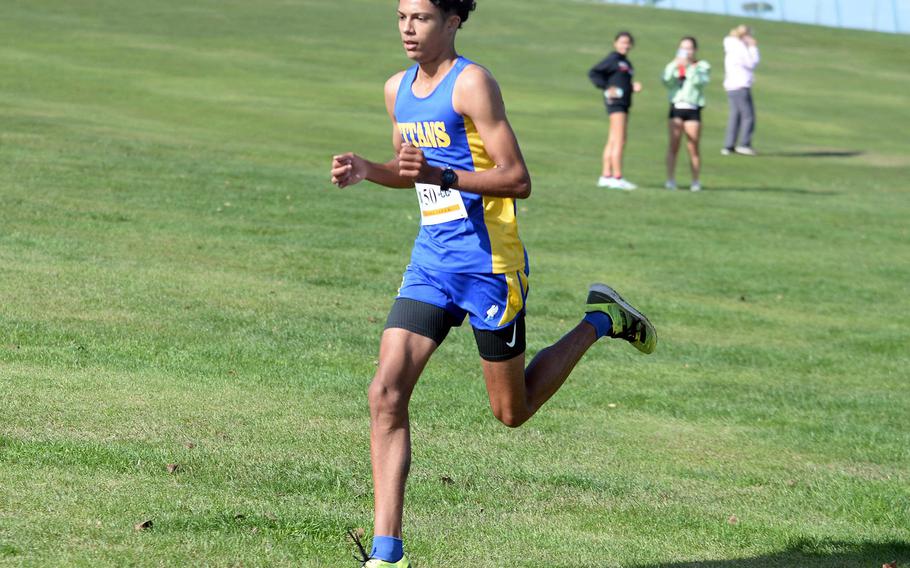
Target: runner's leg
{"points": [[517, 393], [402, 357]]}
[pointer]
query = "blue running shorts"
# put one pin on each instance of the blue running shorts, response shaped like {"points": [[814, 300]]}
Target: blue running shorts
{"points": [[430, 303]]}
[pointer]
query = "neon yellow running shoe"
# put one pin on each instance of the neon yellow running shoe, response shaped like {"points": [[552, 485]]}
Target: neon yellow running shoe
{"points": [[368, 562], [628, 323], [377, 563]]}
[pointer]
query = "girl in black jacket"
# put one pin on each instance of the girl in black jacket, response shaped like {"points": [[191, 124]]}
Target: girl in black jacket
{"points": [[613, 75]]}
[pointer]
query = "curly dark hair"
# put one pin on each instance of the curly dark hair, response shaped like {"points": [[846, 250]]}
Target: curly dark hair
{"points": [[461, 8]]}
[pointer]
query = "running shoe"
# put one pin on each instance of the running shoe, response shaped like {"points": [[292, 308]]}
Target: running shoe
{"points": [[624, 184], [670, 185], [377, 563], [628, 323], [726, 151], [746, 151], [696, 186]]}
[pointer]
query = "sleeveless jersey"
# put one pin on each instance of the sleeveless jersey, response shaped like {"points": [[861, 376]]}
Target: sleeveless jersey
{"points": [[481, 237]]}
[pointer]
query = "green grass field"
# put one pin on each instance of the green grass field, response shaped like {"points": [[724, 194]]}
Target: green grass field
{"points": [[180, 284]]}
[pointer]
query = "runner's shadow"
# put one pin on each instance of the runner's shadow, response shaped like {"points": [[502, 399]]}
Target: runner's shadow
{"points": [[812, 554], [816, 154], [793, 190]]}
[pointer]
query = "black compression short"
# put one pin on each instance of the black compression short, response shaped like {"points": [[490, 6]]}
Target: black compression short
{"points": [[502, 344], [435, 322], [421, 318]]}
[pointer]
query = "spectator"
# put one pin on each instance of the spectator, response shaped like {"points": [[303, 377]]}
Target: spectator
{"points": [[740, 60], [685, 78], [614, 76]]}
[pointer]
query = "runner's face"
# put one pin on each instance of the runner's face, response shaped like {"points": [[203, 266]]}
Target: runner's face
{"points": [[623, 45], [425, 31]]}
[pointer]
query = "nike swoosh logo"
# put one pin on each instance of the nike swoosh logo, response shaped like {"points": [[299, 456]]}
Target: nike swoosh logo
{"points": [[514, 334]]}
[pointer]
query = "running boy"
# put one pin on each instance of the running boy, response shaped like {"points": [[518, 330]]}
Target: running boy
{"points": [[454, 144]]}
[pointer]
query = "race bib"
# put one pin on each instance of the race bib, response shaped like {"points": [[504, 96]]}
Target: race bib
{"points": [[437, 206]]}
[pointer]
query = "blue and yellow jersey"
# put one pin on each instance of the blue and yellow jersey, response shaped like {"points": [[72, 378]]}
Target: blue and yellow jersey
{"points": [[485, 240]]}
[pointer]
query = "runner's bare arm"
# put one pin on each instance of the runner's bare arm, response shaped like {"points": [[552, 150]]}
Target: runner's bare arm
{"points": [[477, 95], [349, 168]]}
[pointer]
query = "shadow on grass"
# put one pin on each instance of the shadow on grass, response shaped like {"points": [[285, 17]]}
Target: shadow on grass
{"points": [[816, 154], [791, 190], [812, 554]]}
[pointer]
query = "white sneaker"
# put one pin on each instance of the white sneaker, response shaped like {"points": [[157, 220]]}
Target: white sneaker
{"points": [[604, 181], [624, 184], [725, 151], [696, 186], [671, 185], [745, 151]]}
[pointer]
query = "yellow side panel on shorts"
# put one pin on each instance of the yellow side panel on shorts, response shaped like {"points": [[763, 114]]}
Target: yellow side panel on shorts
{"points": [[498, 213], [518, 288]]}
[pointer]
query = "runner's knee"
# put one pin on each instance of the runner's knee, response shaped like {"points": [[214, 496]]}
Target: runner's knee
{"points": [[510, 412], [511, 418], [387, 398]]}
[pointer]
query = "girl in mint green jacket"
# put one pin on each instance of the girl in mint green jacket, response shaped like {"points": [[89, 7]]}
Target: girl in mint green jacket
{"points": [[685, 78]]}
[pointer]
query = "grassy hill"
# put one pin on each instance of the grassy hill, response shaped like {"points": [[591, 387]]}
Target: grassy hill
{"points": [[180, 284]]}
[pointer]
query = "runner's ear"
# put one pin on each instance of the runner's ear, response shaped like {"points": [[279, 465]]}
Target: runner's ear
{"points": [[454, 22]]}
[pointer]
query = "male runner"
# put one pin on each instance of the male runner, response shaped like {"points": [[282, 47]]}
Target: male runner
{"points": [[454, 144]]}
